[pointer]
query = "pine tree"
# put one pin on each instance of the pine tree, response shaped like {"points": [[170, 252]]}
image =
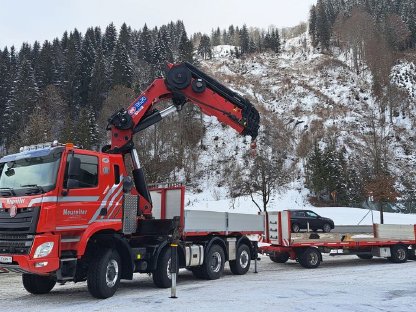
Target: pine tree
{"points": [[323, 31], [122, 72], [109, 42], [88, 55], [24, 95], [204, 48], [46, 68], [145, 45], [98, 87], [244, 40], [185, 49], [275, 41], [166, 45], [315, 171], [72, 73], [216, 37], [312, 26], [5, 86]]}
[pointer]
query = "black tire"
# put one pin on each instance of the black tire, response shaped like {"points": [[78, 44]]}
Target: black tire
{"points": [[38, 284], [326, 228], [241, 265], [411, 254], [213, 265], [104, 272], [399, 254], [162, 277], [365, 256], [198, 272], [280, 258], [310, 258], [295, 228]]}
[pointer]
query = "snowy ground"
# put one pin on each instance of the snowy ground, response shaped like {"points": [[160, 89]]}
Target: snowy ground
{"points": [[339, 284]]}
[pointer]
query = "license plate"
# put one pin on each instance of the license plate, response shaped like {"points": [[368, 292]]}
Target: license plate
{"points": [[5, 259]]}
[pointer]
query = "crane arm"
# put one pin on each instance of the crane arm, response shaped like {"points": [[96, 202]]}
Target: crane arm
{"points": [[183, 83]]}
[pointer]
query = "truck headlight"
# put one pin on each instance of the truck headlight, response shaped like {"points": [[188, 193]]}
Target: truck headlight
{"points": [[43, 250]]}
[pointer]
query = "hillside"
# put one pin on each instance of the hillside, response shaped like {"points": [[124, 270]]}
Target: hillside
{"points": [[317, 98]]}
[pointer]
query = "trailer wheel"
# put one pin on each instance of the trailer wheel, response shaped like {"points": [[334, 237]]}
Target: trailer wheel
{"points": [[241, 265], [280, 258], [104, 272], [310, 258], [411, 254], [365, 256], [37, 284], [162, 277], [398, 254], [295, 228]]}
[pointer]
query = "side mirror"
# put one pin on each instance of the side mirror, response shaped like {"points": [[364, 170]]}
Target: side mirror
{"points": [[74, 168], [127, 184], [74, 171]]}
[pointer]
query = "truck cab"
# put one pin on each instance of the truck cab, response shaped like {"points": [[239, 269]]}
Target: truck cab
{"points": [[44, 210]]}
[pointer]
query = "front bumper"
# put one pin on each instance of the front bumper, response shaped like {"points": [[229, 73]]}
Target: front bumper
{"points": [[27, 264]]}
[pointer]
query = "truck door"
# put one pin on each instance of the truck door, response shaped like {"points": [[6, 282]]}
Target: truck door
{"points": [[82, 199]]}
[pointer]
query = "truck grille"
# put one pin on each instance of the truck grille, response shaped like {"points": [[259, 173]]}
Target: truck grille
{"points": [[15, 244], [24, 222]]}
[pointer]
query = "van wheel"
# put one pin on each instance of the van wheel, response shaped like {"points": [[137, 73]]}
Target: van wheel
{"points": [[326, 228], [38, 284], [295, 228], [241, 265], [104, 272]]}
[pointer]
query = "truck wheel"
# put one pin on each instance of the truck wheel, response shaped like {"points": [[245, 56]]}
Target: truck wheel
{"points": [[398, 254], [365, 256], [104, 273], [280, 258], [295, 228], [241, 265], [162, 277], [310, 258], [326, 228], [213, 265], [38, 284]]}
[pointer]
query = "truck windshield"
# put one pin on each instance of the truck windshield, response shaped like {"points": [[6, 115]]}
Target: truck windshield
{"points": [[29, 175]]}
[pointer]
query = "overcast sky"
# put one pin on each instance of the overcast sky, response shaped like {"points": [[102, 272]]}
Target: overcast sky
{"points": [[30, 20]]}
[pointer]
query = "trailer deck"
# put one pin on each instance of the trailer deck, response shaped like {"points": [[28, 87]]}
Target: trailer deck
{"points": [[395, 242]]}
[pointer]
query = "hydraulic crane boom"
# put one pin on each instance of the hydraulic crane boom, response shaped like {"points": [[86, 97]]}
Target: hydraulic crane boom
{"points": [[183, 83]]}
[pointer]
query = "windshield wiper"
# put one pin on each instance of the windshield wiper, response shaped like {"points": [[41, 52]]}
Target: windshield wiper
{"points": [[9, 190], [38, 187]]}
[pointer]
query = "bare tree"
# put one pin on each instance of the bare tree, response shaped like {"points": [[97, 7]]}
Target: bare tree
{"points": [[269, 169]]}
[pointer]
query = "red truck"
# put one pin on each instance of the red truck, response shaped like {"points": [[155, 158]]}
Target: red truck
{"points": [[70, 214]]}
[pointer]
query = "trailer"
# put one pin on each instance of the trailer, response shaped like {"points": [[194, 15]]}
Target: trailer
{"points": [[397, 243]]}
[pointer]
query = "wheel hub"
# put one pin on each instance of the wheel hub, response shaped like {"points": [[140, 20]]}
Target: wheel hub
{"points": [[112, 271], [244, 259], [313, 258], [216, 261]]}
